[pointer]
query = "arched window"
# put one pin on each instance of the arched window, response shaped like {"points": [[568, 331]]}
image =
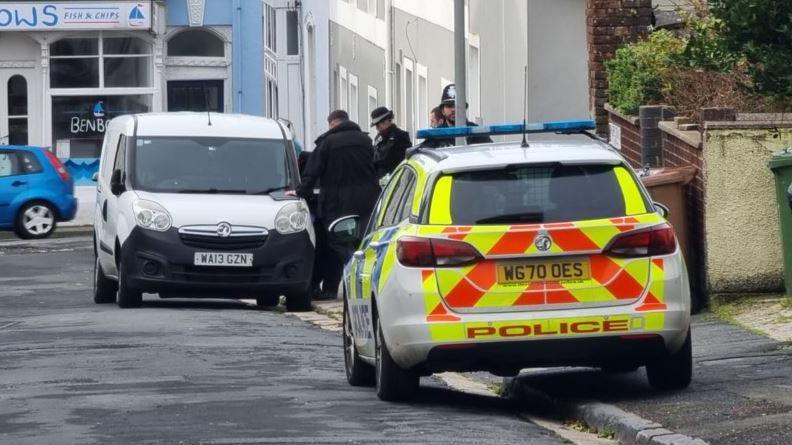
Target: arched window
{"points": [[17, 110], [196, 43]]}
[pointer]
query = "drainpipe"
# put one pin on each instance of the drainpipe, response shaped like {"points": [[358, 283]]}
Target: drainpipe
{"points": [[238, 56], [460, 73]]}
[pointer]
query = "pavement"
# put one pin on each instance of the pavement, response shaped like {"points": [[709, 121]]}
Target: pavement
{"points": [[54, 347]]}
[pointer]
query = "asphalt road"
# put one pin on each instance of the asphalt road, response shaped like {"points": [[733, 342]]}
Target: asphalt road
{"points": [[188, 371]]}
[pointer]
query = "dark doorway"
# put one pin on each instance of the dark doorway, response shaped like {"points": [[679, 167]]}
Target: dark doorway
{"points": [[195, 95]]}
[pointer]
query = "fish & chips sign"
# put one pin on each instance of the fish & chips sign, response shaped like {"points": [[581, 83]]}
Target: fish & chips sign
{"points": [[56, 15]]}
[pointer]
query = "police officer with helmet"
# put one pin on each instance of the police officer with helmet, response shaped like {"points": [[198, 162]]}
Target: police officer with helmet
{"points": [[391, 142], [448, 104]]}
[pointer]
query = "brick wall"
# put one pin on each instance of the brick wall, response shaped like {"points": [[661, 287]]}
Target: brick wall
{"points": [[680, 153], [630, 139], [610, 24]]}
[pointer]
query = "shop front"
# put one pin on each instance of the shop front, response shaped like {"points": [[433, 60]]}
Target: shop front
{"points": [[68, 67]]}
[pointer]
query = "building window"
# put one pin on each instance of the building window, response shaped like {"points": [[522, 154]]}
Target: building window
{"points": [[270, 28], [292, 36], [17, 111], [271, 105], [422, 115], [372, 104], [474, 84], [100, 62], [354, 98], [409, 96], [195, 95], [343, 89], [196, 43]]}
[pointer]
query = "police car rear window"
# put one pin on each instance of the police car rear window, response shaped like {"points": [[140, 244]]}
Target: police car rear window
{"points": [[543, 194]]}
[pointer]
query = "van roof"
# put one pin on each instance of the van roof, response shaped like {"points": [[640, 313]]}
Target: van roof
{"points": [[196, 124]]}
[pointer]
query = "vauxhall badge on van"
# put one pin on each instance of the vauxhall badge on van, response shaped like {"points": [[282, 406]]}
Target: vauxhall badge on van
{"points": [[224, 230]]}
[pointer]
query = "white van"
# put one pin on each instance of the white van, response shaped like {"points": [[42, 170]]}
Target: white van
{"points": [[196, 205]]}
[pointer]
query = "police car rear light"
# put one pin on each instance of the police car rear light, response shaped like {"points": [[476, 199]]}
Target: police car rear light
{"points": [[659, 240], [413, 251]]}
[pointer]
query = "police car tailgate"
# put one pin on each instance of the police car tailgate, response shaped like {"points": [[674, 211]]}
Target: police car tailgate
{"points": [[540, 267]]}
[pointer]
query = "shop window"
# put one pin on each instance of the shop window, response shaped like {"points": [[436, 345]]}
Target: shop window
{"points": [[17, 111], [195, 95], [196, 43], [114, 62], [78, 122]]}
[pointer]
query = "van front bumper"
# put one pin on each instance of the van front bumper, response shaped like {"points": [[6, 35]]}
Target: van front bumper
{"points": [[162, 262]]}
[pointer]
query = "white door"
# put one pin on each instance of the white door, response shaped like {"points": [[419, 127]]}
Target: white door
{"points": [[17, 106]]}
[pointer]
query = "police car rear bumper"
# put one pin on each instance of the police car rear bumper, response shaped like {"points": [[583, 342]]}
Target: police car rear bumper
{"points": [[162, 262], [487, 342]]}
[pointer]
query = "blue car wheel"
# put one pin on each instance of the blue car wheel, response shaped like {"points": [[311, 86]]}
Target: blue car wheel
{"points": [[36, 220]]}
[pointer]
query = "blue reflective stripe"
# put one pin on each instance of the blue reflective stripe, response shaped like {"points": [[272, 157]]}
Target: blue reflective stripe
{"points": [[504, 129]]}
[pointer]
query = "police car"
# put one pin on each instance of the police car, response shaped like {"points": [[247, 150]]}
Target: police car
{"points": [[504, 256]]}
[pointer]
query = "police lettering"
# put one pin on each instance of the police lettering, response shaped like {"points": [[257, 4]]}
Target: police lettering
{"points": [[542, 329]]}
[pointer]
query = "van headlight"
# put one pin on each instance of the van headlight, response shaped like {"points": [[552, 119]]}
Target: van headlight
{"points": [[292, 218], [152, 216]]}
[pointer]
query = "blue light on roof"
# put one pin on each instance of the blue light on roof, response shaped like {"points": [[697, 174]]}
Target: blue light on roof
{"points": [[505, 129]]}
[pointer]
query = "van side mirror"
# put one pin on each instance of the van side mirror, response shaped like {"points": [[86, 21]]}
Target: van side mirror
{"points": [[662, 209], [346, 229], [116, 183], [95, 177]]}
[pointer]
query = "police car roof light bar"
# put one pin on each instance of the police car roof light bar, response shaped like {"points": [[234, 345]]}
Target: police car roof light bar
{"points": [[507, 129]]}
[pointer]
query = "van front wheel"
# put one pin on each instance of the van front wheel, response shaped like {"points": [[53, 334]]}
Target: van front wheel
{"points": [[128, 297]]}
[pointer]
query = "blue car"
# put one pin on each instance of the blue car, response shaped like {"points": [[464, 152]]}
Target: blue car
{"points": [[36, 192]]}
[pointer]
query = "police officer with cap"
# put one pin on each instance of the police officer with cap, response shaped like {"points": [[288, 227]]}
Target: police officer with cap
{"points": [[448, 104], [391, 142]]}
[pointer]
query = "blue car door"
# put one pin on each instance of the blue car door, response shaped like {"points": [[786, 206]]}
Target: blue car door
{"points": [[12, 184]]}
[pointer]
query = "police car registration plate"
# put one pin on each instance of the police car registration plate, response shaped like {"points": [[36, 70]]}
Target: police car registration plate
{"points": [[516, 272], [223, 259]]}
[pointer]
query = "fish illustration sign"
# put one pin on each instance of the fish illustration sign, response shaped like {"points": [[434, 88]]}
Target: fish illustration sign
{"points": [[84, 15]]}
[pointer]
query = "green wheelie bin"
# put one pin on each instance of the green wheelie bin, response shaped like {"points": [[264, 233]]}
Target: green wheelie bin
{"points": [[781, 165]]}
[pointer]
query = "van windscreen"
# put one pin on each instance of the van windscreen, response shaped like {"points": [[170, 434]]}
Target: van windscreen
{"points": [[210, 165]]}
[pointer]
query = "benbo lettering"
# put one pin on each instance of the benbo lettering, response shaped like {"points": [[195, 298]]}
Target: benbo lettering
{"points": [[538, 329]]}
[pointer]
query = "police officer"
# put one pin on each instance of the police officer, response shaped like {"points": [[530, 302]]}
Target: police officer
{"points": [[342, 163], [391, 142], [448, 104]]}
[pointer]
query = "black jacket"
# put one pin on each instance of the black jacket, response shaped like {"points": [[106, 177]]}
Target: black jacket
{"points": [[343, 164], [389, 149], [437, 143]]}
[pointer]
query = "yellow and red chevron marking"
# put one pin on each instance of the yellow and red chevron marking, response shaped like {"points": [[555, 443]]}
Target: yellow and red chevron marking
{"points": [[517, 240], [435, 310], [611, 280], [655, 298]]}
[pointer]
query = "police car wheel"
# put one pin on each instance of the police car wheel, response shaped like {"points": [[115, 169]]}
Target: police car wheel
{"points": [[104, 289], [267, 301], [674, 371], [128, 297], [394, 384], [358, 372]]}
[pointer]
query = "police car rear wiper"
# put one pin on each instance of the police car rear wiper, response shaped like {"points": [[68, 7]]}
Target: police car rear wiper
{"points": [[212, 191], [527, 217]]}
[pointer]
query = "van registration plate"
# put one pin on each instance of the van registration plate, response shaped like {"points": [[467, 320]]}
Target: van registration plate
{"points": [[518, 272], [223, 259]]}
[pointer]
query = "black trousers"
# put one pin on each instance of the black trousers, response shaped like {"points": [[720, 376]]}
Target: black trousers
{"points": [[339, 253]]}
